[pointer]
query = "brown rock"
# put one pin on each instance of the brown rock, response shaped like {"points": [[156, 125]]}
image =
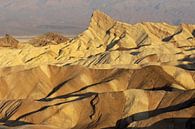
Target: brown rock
{"points": [[48, 39], [8, 41]]}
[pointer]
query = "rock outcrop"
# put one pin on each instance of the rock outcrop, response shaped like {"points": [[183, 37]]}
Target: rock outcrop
{"points": [[8, 41], [112, 76], [48, 38]]}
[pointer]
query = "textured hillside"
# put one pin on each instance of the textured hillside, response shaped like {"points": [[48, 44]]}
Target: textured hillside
{"points": [[111, 76], [109, 42]]}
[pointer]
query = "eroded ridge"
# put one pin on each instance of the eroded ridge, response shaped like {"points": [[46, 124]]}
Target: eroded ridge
{"points": [[113, 75]]}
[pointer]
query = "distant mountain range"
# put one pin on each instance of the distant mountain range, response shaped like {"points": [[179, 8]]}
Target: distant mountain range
{"points": [[29, 17]]}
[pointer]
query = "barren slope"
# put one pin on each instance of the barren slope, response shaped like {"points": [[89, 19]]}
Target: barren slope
{"points": [[111, 76]]}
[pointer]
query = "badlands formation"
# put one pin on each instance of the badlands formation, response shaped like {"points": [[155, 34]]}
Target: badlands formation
{"points": [[112, 76]]}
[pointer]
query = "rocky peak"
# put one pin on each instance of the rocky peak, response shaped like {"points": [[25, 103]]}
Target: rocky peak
{"points": [[8, 41]]}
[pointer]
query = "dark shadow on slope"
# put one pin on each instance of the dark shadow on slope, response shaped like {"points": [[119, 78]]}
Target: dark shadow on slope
{"points": [[191, 49], [73, 94], [141, 59], [18, 122], [190, 65], [193, 33], [80, 97], [169, 123], [58, 87], [112, 44], [123, 123], [76, 93], [10, 108], [167, 39], [164, 88], [135, 53], [188, 58], [13, 123], [190, 38]]}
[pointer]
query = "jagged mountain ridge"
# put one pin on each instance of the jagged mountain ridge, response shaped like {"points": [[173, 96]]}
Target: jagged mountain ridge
{"points": [[40, 16], [111, 76], [111, 42]]}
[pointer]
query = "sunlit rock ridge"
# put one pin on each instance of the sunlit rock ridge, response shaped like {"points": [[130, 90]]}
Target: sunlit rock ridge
{"points": [[113, 75]]}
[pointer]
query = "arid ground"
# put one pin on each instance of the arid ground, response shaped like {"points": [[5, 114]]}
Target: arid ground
{"points": [[113, 75]]}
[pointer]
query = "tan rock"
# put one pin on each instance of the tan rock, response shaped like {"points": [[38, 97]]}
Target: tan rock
{"points": [[113, 75]]}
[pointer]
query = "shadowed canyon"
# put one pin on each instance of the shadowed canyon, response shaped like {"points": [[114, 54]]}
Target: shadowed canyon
{"points": [[113, 75]]}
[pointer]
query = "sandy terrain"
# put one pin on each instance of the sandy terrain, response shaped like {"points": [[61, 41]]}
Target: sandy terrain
{"points": [[113, 75]]}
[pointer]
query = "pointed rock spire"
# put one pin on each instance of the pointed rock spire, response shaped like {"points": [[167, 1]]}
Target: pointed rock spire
{"points": [[101, 20]]}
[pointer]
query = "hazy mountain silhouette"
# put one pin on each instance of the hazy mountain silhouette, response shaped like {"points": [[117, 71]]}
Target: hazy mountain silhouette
{"points": [[27, 17]]}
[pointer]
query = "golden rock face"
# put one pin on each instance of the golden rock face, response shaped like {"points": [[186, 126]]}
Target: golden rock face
{"points": [[112, 76]]}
